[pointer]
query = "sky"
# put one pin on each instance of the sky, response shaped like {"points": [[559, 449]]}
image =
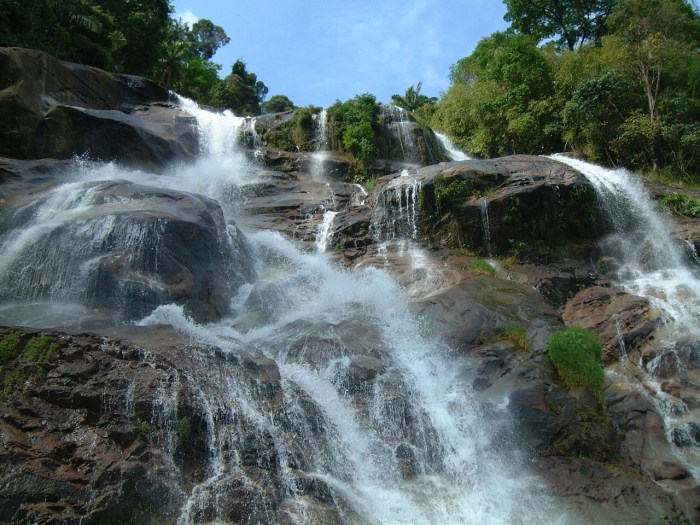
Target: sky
{"points": [[316, 52]]}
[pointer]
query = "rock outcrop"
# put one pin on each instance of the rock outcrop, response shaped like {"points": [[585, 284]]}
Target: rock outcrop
{"points": [[56, 109], [121, 249]]}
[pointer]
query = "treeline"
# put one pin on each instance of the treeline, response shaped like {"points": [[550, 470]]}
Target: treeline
{"points": [[615, 80], [139, 38]]}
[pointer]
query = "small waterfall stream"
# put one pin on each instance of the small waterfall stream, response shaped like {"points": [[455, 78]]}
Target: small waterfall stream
{"points": [[452, 151], [652, 263]]}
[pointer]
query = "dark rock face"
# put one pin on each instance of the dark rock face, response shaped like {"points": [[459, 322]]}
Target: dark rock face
{"points": [[125, 248], [59, 109], [500, 205]]}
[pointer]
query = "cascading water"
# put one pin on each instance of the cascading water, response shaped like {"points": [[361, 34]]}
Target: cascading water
{"points": [[372, 423], [325, 230], [399, 209], [450, 149], [399, 127], [319, 156], [652, 264]]}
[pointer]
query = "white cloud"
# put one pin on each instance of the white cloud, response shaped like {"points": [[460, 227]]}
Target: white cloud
{"points": [[187, 17]]}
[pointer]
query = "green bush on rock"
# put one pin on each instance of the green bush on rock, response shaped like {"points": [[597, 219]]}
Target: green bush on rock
{"points": [[575, 353]]}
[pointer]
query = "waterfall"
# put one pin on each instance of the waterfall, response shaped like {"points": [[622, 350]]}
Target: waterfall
{"points": [[322, 131], [486, 225], [401, 129], [652, 262], [451, 150], [655, 265], [319, 156], [373, 422], [325, 231], [398, 211]]}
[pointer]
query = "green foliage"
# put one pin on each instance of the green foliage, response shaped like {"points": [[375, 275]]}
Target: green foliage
{"points": [[21, 359], [681, 204], [241, 91], [448, 197], [353, 126], [39, 349], [413, 100], [10, 346], [295, 133], [620, 85], [483, 267], [206, 38], [575, 353], [277, 104], [501, 99], [515, 333], [184, 429], [574, 22]]}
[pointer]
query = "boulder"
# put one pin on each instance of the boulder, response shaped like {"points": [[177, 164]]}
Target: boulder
{"points": [[495, 206], [622, 321], [124, 249], [53, 108]]}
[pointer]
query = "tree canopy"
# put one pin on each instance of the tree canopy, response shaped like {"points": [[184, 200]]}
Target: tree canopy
{"points": [[572, 22], [619, 83]]}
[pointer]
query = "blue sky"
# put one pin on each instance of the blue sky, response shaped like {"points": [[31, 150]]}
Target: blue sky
{"points": [[317, 52]]}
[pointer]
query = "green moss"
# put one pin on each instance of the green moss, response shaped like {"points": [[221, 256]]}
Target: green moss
{"points": [[23, 360], [184, 429], [10, 346], [39, 349], [515, 333], [483, 267], [575, 353]]}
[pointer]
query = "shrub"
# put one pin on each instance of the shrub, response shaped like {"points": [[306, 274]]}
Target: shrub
{"points": [[184, 429], [681, 204], [449, 197], [575, 353]]}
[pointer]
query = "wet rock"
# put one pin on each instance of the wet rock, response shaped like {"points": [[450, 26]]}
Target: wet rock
{"points": [[621, 320], [686, 435], [130, 248]]}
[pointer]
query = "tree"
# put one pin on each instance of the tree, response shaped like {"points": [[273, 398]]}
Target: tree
{"points": [[412, 99], [276, 104], [501, 99], [241, 91], [574, 22], [206, 38], [656, 36], [144, 25]]}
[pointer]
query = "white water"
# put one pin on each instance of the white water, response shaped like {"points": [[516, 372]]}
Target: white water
{"points": [[325, 231], [318, 157], [400, 127], [452, 151], [652, 261], [412, 446], [652, 264]]}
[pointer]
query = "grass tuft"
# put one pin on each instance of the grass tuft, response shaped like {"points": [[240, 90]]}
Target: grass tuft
{"points": [[575, 353]]}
